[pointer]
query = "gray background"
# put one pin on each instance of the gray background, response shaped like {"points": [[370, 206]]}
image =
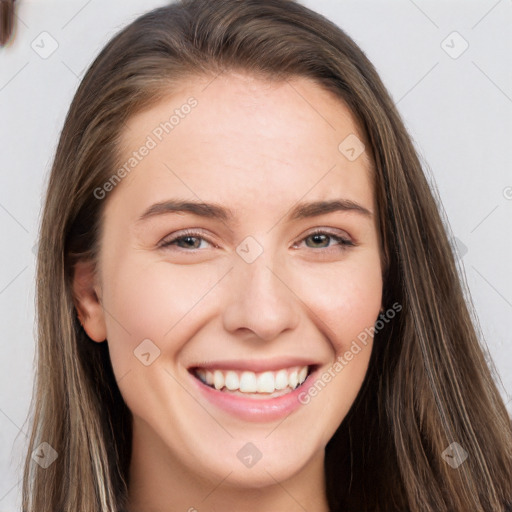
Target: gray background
{"points": [[456, 104]]}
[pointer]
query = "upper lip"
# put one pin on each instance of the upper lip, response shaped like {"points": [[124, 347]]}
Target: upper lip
{"points": [[255, 365]]}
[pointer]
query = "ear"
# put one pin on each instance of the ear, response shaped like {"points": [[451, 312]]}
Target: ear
{"points": [[87, 299]]}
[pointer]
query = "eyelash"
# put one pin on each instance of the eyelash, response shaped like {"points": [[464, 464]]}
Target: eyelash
{"points": [[344, 243]]}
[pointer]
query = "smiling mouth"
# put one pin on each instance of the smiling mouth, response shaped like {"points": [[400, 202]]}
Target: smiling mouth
{"points": [[262, 385]]}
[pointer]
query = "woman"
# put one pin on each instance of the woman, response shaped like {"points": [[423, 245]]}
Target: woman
{"points": [[200, 348]]}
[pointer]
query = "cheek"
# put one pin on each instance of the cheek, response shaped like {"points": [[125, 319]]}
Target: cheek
{"points": [[149, 302], [344, 298], [345, 304], [149, 313]]}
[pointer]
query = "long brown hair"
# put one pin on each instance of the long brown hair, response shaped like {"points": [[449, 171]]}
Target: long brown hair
{"points": [[427, 385]]}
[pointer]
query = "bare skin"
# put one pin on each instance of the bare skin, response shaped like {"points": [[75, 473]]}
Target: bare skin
{"points": [[259, 149]]}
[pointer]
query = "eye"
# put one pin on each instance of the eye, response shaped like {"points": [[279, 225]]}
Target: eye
{"points": [[186, 240], [192, 240], [320, 237]]}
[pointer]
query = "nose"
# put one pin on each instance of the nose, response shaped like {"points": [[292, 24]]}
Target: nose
{"points": [[260, 298]]}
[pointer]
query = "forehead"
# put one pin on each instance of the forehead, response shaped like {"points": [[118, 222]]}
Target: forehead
{"points": [[249, 141]]}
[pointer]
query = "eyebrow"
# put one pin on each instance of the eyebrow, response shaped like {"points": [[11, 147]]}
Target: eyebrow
{"points": [[216, 211]]}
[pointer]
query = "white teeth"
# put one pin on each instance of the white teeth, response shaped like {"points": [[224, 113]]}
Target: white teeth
{"points": [[231, 381], [248, 382], [293, 379], [281, 379], [266, 382], [251, 382], [218, 379]]}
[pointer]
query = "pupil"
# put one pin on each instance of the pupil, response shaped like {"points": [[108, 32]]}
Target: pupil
{"points": [[189, 240], [318, 238]]}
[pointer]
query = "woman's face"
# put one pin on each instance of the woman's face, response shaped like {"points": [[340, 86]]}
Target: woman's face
{"points": [[243, 295]]}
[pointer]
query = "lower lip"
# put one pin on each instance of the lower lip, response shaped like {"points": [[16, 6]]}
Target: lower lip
{"points": [[256, 409]]}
